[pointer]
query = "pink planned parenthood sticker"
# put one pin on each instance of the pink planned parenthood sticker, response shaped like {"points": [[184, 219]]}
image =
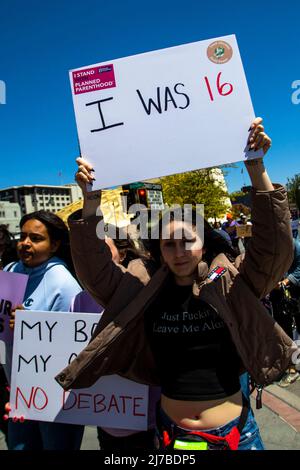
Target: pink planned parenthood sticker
{"points": [[93, 79]]}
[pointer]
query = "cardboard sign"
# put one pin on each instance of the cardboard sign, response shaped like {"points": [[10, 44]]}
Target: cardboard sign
{"points": [[243, 231], [44, 343], [163, 112], [12, 291]]}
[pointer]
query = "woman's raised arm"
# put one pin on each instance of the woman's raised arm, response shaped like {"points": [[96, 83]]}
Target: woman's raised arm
{"points": [[258, 139], [91, 199]]}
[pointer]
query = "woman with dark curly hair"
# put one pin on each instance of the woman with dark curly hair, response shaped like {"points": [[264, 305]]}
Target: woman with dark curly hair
{"points": [[44, 255]]}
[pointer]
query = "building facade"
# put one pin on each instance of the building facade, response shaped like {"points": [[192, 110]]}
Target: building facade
{"points": [[36, 197], [10, 215]]}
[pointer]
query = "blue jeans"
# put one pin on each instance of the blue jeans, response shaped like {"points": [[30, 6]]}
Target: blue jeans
{"points": [[245, 386], [250, 437], [41, 435]]}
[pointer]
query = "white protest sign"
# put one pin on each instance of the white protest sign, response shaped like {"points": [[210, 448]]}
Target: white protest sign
{"points": [[44, 343], [163, 112], [12, 291]]}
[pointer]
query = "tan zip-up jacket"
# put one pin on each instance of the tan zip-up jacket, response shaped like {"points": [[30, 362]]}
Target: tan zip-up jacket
{"points": [[119, 345]]}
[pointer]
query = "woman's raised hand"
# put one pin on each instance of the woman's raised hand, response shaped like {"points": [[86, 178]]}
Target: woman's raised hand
{"points": [[84, 175], [258, 139]]}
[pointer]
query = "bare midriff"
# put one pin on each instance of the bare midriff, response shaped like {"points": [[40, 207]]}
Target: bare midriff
{"points": [[197, 415]]}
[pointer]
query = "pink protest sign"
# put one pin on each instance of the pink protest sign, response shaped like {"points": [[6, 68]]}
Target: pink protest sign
{"points": [[93, 78], [12, 290]]}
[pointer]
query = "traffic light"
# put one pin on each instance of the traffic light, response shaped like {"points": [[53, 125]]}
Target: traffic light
{"points": [[128, 199], [142, 194]]}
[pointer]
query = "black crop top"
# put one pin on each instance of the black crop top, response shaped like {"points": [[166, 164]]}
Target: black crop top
{"points": [[193, 350]]}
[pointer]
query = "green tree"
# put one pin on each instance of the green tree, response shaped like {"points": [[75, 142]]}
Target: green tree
{"points": [[196, 187], [235, 195], [238, 208], [293, 190]]}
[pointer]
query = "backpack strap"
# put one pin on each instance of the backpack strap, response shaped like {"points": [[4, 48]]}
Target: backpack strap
{"points": [[259, 391]]}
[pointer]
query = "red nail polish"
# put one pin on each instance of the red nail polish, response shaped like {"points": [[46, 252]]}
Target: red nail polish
{"points": [[7, 407], [22, 419], [5, 417], [15, 419]]}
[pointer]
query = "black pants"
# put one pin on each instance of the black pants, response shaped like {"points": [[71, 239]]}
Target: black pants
{"points": [[143, 440]]}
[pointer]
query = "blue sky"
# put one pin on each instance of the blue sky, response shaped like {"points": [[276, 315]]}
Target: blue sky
{"points": [[41, 41]]}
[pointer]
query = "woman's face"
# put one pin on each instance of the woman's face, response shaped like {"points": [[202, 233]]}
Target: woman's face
{"points": [[35, 246], [182, 255]]}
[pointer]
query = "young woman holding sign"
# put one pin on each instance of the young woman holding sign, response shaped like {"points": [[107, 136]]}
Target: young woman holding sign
{"points": [[44, 255], [193, 328], [126, 255]]}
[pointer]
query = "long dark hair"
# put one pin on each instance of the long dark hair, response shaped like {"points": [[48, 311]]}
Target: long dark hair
{"points": [[9, 253], [214, 243], [57, 231], [133, 248]]}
